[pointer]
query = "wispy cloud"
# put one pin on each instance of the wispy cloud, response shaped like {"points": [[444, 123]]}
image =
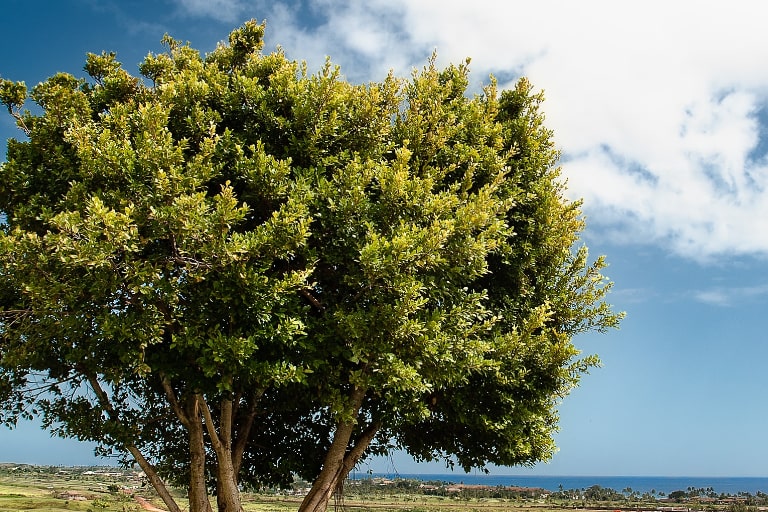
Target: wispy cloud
{"points": [[126, 18], [626, 296], [729, 296], [656, 105]]}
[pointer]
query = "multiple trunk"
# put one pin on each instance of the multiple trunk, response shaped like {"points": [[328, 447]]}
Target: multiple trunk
{"points": [[339, 460], [229, 445], [197, 418], [227, 495]]}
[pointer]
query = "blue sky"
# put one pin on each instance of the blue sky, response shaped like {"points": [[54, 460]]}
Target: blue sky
{"points": [[660, 110]]}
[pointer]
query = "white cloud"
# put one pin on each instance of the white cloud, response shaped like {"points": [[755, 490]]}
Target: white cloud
{"points": [[367, 38], [728, 296], [655, 104]]}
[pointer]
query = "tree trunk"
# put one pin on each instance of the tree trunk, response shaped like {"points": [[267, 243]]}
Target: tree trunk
{"points": [[149, 470], [189, 414], [154, 479], [227, 477], [339, 461], [198, 490], [228, 493], [328, 480], [243, 432]]}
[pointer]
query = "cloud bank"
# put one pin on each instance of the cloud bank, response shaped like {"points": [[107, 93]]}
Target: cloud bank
{"points": [[659, 107]]}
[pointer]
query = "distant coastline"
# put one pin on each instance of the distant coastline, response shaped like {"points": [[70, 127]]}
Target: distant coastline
{"points": [[657, 485], [640, 484]]}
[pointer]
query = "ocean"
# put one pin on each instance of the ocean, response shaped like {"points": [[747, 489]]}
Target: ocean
{"points": [[641, 484]]}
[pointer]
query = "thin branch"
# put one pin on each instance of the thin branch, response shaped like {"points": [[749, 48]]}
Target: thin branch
{"points": [[14, 316], [244, 430], [102, 396], [210, 426], [188, 262], [42, 388], [16, 312], [173, 400], [154, 479], [145, 465], [19, 119], [311, 298]]}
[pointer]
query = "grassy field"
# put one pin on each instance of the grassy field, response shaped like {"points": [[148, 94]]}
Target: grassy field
{"points": [[53, 492], [42, 495], [59, 491], [53, 489], [39, 496]]}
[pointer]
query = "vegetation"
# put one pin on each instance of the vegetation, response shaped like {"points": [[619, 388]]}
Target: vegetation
{"points": [[55, 488], [24, 487], [232, 271]]}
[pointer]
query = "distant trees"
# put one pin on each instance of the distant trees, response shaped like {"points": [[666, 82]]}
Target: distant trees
{"points": [[692, 493], [592, 493], [233, 271]]}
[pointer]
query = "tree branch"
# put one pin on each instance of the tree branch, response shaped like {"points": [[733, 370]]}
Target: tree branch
{"points": [[154, 479], [225, 423], [210, 426], [244, 430], [19, 119], [146, 466], [173, 400], [312, 300], [360, 445]]}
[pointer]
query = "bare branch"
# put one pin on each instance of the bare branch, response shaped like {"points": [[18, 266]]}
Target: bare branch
{"points": [[244, 431], [173, 400], [210, 426], [311, 298], [19, 120], [154, 479]]}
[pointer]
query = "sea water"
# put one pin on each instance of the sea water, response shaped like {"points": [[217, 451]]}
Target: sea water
{"points": [[639, 484]]}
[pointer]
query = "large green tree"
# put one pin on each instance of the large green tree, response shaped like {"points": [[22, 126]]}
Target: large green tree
{"points": [[232, 271]]}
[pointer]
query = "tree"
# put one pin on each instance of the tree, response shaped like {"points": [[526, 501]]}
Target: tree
{"points": [[233, 271]]}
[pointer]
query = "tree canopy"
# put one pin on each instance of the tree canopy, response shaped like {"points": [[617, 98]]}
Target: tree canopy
{"points": [[232, 270]]}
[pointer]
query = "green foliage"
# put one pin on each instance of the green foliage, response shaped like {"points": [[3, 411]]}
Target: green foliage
{"points": [[741, 507], [232, 227]]}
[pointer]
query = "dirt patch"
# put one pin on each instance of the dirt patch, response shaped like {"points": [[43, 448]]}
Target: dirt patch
{"points": [[147, 505]]}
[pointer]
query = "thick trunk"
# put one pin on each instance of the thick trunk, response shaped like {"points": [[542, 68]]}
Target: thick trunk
{"points": [[339, 461], [198, 491], [227, 488], [228, 494], [333, 467]]}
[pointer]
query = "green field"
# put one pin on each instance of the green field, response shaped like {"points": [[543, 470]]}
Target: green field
{"points": [[57, 489], [54, 492]]}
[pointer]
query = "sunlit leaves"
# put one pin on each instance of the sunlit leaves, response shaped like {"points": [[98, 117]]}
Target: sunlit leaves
{"points": [[233, 223], [12, 95], [95, 239]]}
